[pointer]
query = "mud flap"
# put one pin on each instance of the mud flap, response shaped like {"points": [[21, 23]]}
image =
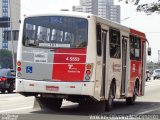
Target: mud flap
{"points": [[36, 104]]}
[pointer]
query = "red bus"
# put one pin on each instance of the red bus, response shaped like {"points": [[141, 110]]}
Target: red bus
{"points": [[79, 57]]}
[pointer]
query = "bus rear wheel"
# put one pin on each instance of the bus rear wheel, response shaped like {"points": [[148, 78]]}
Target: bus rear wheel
{"points": [[111, 96], [49, 103], [131, 100]]}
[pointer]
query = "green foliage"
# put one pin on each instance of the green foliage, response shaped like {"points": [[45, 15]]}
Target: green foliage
{"points": [[5, 58], [148, 8], [133, 1]]}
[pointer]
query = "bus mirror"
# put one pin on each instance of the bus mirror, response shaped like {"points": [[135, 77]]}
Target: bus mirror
{"points": [[149, 51]]}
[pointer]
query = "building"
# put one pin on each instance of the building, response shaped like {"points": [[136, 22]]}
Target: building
{"points": [[103, 8], [14, 7], [88, 6], [2, 8], [114, 13], [159, 56]]}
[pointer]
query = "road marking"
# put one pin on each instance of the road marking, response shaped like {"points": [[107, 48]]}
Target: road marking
{"points": [[152, 85], [3, 111], [148, 111]]}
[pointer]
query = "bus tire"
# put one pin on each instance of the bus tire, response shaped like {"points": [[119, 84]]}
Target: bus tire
{"points": [[131, 100], [111, 96], [49, 103]]}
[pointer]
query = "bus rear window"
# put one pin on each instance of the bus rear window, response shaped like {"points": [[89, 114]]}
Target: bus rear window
{"points": [[55, 32]]}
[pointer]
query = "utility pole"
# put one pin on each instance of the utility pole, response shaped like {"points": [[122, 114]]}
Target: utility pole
{"points": [[124, 19], [13, 58]]}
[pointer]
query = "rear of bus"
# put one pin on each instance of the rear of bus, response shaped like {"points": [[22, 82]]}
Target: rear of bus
{"points": [[55, 57]]}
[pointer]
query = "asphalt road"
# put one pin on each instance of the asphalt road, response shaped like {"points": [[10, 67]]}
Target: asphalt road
{"points": [[16, 107]]}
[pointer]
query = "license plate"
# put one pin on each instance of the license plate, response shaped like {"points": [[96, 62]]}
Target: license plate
{"points": [[52, 88]]}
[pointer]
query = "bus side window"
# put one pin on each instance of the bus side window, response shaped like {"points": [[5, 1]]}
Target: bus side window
{"points": [[115, 44], [135, 48], [99, 44], [132, 51]]}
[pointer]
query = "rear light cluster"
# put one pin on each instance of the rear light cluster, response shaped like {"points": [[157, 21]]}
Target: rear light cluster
{"points": [[88, 71], [3, 79], [19, 74]]}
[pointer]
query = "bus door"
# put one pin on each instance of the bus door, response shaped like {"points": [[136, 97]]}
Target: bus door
{"points": [[104, 42], [124, 63], [101, 61], [143, 67]]}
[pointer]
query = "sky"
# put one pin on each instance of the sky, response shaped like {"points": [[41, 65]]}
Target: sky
{"points": [[150, 24]]}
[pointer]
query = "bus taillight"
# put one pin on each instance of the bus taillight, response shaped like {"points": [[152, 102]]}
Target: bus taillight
{"points": [[88, 72], [19, 69], [89, 66], [18, 63]]}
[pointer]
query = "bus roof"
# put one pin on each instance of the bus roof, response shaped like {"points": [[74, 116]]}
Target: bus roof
{"points": [[87, 15], [75, 14], [63, 13]]}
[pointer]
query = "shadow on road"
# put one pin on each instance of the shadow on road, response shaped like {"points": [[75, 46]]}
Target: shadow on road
{"points": [[75, 109], [91, 109]]}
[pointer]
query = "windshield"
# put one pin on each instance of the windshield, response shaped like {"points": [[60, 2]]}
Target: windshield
{"points": [[55, 32]]}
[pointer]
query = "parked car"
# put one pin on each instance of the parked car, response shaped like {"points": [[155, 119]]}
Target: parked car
{"points": [[156, 74], [148, 75], [7, 80]]}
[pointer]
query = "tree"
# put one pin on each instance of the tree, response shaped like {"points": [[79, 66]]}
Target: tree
{"points": [[148, 8], [6, 58]]}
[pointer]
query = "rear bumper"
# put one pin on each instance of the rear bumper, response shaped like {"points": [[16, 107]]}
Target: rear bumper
{"points": [[68, 88]]}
